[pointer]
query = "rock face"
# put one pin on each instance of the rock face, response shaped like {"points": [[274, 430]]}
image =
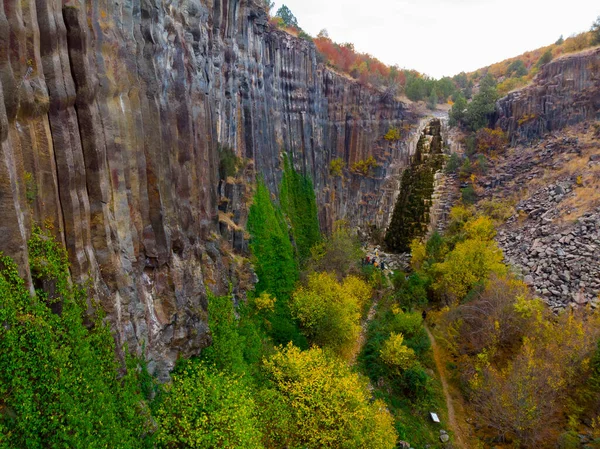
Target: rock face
{"points": [[111, 116], [566, 91]]}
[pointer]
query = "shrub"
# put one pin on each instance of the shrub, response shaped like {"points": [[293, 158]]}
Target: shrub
{"points": [[336, 167], [453, 164], [229, 163], [329, 403], [364, 167], [395, 354], [491, 141], [393, 135], [468, 195], [203, 408]]}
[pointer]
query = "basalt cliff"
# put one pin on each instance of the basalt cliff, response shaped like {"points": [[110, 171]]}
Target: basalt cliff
{"points": [[565, 92], [112, 115]]}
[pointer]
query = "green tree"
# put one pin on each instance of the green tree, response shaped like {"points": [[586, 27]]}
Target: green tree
{"points": [[458, 111], [299, 204], [416, 88], [545, 58], [517, 69], [596, 32], [432, 101], [483, 104], [203, 408], [286, 15], [453, 164], [274, 263]]}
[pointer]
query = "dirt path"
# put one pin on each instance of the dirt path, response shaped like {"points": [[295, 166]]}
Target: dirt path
{"points": [[452, 423], [362, 338]]}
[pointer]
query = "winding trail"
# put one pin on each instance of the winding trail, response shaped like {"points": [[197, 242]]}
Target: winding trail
{"points": [[362, 338], [452, 423]]}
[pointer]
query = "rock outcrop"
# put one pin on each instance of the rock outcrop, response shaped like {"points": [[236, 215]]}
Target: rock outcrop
{"points": [[566, 91], [111, 117]]}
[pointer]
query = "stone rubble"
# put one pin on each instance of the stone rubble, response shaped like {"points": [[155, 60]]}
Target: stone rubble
{"points": [[561, 263]]}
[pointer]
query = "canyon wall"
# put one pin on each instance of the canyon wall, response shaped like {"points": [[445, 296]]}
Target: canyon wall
{"points": [[112, 115], [565, 91]]}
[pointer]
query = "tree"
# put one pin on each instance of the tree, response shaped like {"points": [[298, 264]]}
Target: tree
{"points": [[560, 40], [545, 58], [330, 404], [299, 204], [517, 68], [323, 34], [453, 164], [396, 354], [483, 104], [288, 18], [596, 32], [458, 111], [329, 311], [468, 264], [432, 101], [203, 408], [339, 253], [274, 263]]}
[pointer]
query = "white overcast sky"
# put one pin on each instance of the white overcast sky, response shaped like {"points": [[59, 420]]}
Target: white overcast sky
{"points": [[444, 37]]}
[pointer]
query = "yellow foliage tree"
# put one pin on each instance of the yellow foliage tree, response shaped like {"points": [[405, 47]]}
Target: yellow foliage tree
{"points": [[396, 354], [329, 311], [480, 228], [470, 263], [330, 405]]}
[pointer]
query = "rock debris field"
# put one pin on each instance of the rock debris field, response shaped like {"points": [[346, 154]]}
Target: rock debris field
{"points": [[561, 263]]}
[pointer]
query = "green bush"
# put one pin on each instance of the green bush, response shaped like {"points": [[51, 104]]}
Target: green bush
{"points": [[203, 408], [59, 379], [229, 163]]}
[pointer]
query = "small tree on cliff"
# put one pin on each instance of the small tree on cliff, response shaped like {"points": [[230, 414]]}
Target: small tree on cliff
{"points": [[483, 104], [596, 32], [286, 15]]}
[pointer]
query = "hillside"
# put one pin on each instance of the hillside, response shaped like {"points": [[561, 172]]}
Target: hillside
{"points": [[519, 71]]}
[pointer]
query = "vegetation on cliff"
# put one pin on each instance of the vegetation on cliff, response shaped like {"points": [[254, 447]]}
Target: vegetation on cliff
{"points": [[411, 212], [61, 384]]}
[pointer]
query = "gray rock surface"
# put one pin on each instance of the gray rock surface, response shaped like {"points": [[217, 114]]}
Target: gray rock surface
{"points": [[564, 92]]}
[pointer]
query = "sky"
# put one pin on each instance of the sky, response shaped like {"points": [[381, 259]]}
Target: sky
{"points": [[444, 37]]}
